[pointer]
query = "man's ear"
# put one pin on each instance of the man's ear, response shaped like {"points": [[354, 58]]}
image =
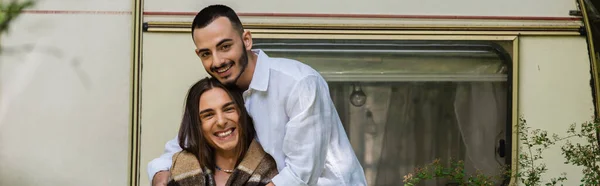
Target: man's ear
{"points": [[247, 39]]}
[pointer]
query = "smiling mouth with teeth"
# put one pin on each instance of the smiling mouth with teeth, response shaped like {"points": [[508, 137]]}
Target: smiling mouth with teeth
{"points": [[224, 134], [224, 69]]}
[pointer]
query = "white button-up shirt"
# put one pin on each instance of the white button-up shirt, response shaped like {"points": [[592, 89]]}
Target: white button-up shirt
{"points": [[296, 123]]}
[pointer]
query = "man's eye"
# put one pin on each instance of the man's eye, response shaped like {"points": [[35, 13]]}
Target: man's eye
{"points": [[206, 54], [225, 47], [207, 116]]}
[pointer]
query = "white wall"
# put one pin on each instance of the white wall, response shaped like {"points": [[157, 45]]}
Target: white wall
{"points": [[171, 67], [64, 109], [554, 92], [551, 8], [533, 9]]}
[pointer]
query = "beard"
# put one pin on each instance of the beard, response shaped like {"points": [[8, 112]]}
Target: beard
{"points": [[243, 60]]}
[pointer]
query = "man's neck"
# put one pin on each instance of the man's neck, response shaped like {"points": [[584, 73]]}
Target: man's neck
{"points": [[225, 159], [246, 77]]}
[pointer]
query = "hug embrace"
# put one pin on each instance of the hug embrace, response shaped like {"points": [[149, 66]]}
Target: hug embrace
{"points": [[257, 120]]}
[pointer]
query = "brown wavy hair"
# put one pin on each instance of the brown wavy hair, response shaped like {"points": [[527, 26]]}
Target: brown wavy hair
{"points": [[190, 136]]}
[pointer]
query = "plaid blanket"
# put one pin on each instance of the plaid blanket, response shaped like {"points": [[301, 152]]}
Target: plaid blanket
{"points": [[257, 168]]}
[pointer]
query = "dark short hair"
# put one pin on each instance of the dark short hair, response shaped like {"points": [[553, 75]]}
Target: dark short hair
{"points": [[190, 136], [212, 12]]}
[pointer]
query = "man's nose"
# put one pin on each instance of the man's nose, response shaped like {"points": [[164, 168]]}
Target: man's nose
{"points": [[221, 121], [217, 60]]}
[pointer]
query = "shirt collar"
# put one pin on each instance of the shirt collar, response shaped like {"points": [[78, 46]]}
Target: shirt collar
{"points": [[260, 78]]}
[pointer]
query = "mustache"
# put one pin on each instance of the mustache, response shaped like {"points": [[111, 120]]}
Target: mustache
{"points": [[214, 68]]}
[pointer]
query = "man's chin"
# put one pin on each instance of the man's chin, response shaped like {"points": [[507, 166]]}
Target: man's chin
{"points": [[228, 81]]}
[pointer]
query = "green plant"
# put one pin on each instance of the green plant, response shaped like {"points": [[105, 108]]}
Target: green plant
{"points": [[586, 155], [530, 172], [534, 143], [455, 174], [10, 11]]}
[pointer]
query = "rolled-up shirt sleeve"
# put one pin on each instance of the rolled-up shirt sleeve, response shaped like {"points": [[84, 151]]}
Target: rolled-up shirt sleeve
{"points": [[165, 160], [307, 133]]}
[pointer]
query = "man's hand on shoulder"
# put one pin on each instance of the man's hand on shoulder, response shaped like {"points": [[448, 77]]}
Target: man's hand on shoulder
{"points": [[161, 178], [270, 184]]}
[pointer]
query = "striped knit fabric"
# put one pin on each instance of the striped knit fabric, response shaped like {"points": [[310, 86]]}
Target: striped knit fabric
{"points": [[256, 169]]}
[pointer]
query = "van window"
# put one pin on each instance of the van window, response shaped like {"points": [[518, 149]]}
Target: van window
{"points": [[405, 104]]}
